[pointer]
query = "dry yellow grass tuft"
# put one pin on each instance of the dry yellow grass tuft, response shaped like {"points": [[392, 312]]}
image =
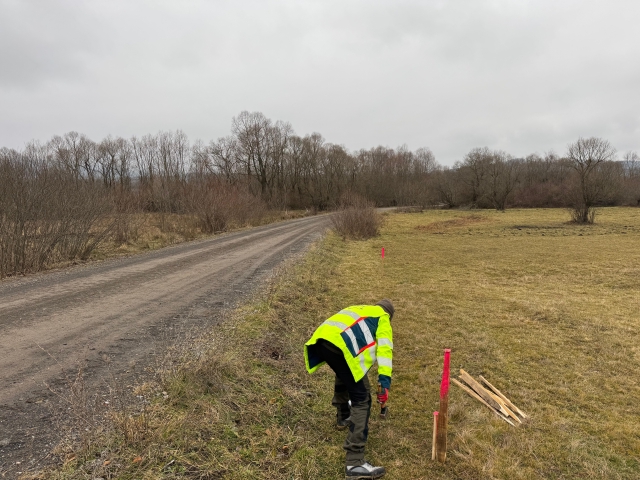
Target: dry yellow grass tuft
{"points": [[545, 310]]}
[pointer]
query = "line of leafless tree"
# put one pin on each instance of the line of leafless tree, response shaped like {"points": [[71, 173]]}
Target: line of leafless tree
{"points": [[589, 175], [60, 198]]}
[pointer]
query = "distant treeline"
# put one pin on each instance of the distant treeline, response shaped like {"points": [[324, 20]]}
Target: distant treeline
{"points": [[54, 195], [283, 170]]}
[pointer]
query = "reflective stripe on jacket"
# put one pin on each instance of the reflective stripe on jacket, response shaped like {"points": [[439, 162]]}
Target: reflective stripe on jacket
{"points": [[363, 334]]}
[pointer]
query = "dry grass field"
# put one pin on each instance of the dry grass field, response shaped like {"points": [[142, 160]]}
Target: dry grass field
{"points": [[546, 310]]}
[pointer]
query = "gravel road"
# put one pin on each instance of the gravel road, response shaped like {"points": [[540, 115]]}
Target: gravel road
{"points": [[112, 320]]}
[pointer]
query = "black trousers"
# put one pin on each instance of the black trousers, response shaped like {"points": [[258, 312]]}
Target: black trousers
{"points": [[346, 388]]}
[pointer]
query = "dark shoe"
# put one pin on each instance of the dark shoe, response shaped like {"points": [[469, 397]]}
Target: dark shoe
{"points": [[363, 472], [341, 424]]}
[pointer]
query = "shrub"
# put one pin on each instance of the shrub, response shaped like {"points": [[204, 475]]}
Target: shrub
{"points": [[46, 215], [217, 204], [356, 218]]}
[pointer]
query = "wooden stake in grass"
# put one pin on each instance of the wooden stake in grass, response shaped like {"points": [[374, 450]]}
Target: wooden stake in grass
{"points": [[435, 430], [441, 434]]}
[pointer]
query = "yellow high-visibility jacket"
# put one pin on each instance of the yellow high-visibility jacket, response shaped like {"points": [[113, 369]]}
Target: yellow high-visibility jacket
{"points": [[363, 334]]}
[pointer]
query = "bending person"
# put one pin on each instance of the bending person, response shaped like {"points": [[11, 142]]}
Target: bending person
{"points": [[350, 342]]}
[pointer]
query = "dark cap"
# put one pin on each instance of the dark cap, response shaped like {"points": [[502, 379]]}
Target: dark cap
{"points": [[388, 307]]}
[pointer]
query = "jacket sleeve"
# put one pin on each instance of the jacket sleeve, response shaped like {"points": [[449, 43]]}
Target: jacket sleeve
{"points": [[384, 351]]}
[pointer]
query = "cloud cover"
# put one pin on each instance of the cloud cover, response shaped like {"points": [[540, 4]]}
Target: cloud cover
{"points": [[517, 75]]}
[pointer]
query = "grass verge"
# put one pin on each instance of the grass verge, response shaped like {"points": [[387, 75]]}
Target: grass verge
{"points": [[545, 310]]}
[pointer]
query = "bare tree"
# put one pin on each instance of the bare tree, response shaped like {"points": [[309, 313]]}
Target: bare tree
{"points": [[631, 177], [251, 132], [426, 161], [474, 170], [144, 153], [224, 158], [173, 157], [107, 159], [448, 186], [631, 162], [589, 158], [543, 181], [278, 137], [503, 174], [311, 160]]}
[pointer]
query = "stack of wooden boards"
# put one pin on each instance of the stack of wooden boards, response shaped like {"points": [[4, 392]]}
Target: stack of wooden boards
{"points": [[491, 397]]}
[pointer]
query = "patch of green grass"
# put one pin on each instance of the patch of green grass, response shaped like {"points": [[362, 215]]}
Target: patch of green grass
{"points": [[545, 310]]}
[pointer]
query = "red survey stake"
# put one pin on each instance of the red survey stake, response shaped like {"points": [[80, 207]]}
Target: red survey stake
{"points": [[441, 434]]}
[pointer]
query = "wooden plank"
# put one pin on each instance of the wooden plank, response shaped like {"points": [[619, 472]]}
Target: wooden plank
{"points": [[481, 400], [435, 432], [480, 390], [503, 397], [504, 406], [506, 411], [511, 414]]}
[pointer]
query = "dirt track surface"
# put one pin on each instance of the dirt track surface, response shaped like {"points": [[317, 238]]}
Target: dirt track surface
{"points": [[114, 320]]}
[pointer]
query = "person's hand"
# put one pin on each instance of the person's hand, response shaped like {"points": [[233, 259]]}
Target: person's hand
{"points": [[383, 395]]}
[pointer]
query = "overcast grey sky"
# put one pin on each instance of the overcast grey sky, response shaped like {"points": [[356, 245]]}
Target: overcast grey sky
{"points": [[522, 76]]}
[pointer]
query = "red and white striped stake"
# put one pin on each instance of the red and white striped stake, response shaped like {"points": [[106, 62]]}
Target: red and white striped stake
{"points": [[441, 435]]}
